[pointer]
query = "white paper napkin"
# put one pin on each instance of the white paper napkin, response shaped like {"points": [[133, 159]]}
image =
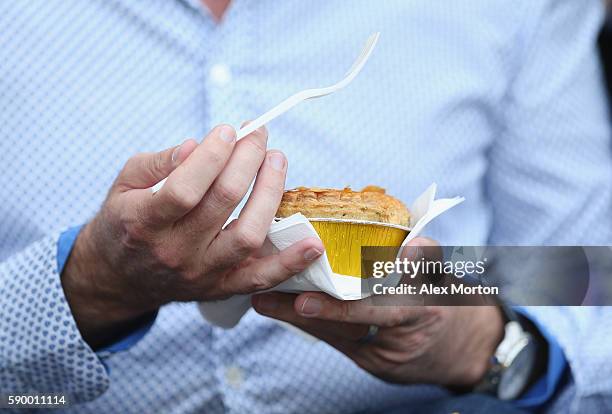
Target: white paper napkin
{"points": [[319, 275]]}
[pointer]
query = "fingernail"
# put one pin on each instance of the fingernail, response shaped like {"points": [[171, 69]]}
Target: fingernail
{"points": [[411, 253], [312, 254], [263, 130], [176, 152], [277, 161], [227, 133], [266, 303], [311, 307]]}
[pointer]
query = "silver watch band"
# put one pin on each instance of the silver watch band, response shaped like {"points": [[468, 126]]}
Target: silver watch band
{"points": [[516, 342]]}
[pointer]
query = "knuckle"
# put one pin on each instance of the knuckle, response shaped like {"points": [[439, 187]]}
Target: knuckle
{"points": [[258, 282], [345, 311], [170, 259], [189, 276], [257, 146], [248, 239], [415, 344], [437, 312], [292, 267], [158, 164], [182, 195], [395, 317], [134, 231], [388, 360], [225, 193]]}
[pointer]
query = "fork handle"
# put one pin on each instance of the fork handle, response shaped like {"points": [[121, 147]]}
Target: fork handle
{"points": [[279, 109]]}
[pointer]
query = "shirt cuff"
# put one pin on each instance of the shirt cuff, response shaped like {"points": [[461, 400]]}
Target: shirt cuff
{"points": [[544, 388], [65, 244], [128, 340]]}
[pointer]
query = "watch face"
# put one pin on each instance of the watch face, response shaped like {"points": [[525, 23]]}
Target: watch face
{"points": [[514, 378]]}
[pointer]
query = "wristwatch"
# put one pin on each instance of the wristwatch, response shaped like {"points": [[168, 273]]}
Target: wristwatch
{"points": [[518, 360]]}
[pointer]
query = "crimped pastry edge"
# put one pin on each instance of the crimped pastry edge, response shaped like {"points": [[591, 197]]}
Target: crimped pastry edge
{"points": [[369, 206]]}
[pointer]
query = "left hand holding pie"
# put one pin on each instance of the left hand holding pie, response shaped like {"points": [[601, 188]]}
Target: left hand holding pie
{"points": [[449, 346]]}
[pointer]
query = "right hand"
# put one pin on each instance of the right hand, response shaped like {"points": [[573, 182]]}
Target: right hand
{"points": [[143, 250]]}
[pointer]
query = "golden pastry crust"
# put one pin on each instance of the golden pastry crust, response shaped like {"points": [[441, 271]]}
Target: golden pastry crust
{"points": [[371, 204]]}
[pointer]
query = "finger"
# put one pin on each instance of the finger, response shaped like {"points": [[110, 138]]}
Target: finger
{"points": [[281, 306], [422, 247], [146, 169], [188, 183], [322, 306], [267, 272], [266, 249], [249, 231], [234, 181]]}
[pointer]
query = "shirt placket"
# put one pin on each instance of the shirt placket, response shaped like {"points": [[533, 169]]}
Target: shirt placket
{"points": [[226, 61], [227, 102]]}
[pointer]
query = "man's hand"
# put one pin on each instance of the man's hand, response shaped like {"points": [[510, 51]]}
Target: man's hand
{"points": [[143, 250], [450, 346]]}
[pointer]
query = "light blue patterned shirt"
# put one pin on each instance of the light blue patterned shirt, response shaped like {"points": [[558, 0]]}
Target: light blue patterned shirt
{"points": [[498, 101]]}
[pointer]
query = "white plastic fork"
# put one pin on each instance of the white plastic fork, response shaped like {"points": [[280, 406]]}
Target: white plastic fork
{"points": [[295, 99]]}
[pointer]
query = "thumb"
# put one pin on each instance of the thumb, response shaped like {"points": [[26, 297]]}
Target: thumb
{"points": [[422, 248], [148, 168]]}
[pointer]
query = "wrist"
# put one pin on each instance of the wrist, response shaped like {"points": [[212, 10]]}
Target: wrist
{"points": [[99, 302], [515, 364], [485, 336]]}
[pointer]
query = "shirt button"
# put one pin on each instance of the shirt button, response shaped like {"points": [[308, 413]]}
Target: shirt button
{"points": [[234, 376], [220, 74]]}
